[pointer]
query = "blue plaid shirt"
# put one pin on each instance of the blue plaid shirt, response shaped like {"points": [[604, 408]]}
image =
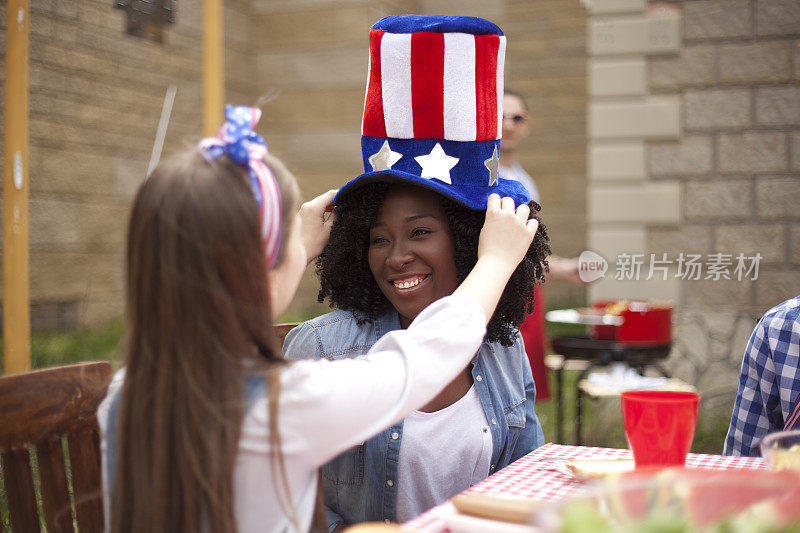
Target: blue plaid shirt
{"points": [[768, 398]]}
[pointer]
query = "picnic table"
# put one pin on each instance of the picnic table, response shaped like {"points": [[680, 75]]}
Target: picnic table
{"points": [[534, 477]]}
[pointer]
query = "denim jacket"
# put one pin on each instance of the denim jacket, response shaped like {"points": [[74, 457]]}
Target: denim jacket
{"points": [[361, 484]]}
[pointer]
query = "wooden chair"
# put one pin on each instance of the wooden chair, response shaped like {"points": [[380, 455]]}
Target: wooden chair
{"points": [[38, 409], [282, 329]]}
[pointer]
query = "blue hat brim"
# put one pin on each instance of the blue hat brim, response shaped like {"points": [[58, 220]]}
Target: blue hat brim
{"points": [[473, 197]]}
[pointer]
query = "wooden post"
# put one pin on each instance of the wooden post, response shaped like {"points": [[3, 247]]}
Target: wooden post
{"points": [[213, 66], [16, 305]]}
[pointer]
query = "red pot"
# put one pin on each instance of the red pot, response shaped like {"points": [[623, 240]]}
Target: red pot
{"points": [[643, 323], [606, 333]]}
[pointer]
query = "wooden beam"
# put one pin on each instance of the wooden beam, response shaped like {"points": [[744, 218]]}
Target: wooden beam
{"points": [[213, 66], [16, 258]]}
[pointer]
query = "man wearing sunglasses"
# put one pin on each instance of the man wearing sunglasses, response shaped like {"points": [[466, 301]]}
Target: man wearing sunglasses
{"points": [[515, 128]]}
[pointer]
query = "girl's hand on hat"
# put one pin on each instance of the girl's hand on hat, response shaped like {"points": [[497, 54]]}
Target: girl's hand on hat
{"points": [[507, 233], [505, 238], [315, 225]]}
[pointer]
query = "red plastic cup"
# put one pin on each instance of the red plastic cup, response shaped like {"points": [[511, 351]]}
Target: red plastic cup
{"points": [[659, 426]]}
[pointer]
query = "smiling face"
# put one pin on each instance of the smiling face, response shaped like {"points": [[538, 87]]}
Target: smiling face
{"points": [[411, 252]]}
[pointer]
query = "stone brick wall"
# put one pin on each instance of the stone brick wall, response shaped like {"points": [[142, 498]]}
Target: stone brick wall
{"points": [[734, 80], [741, 114], [95, 100], [96, 96]]}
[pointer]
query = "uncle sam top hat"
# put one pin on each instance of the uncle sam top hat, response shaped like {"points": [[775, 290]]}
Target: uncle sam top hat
{"points": [[433, 112]]}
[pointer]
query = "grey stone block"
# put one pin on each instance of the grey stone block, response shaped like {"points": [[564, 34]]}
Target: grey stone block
{"points": [[755, 62], [797, 60], [750, 239], [717, 19], [795, 153], [794, 244], [778, 197], [763, 152], [721, 294], [777, 17], [718, 200], [717, 108], [778, 106], [772, 288]]}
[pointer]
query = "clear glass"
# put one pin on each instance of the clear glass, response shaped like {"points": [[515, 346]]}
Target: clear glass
{"points": [[781, 450]]}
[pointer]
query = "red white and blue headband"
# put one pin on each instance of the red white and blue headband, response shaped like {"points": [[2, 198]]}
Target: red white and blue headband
{"points": [[245, 147]]}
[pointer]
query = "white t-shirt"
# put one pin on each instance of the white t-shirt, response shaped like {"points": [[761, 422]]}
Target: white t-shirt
{"points": [[517, 173], [327, 407], [442, 454]]}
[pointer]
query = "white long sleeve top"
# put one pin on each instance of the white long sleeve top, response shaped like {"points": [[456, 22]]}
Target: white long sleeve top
{"points": [[327, 407]]}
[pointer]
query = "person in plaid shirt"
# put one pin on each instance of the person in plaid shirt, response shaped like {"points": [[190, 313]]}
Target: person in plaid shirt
{"points": [[768, 398]]}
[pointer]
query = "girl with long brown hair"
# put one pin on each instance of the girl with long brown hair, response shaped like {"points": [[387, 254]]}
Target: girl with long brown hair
{"points": [[207, 428]]}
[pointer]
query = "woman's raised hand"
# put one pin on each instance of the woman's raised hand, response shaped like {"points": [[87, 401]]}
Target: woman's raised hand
{"points": [[316, 227], [507, 233]]}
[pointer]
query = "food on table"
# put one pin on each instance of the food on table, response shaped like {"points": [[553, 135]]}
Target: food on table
{"points": [[781, 450], [618, 307], [503, 508], [598, 468]]}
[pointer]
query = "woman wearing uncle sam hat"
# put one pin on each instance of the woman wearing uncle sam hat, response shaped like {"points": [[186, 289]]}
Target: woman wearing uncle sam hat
{"points": [[406, 235]]}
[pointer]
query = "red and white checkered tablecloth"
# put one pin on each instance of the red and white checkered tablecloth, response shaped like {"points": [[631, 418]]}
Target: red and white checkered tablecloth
{"points": [[530, 477]]}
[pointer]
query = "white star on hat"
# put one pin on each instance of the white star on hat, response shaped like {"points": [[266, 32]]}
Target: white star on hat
{"points": [[384, 158], [492, 165], [437, 164]]}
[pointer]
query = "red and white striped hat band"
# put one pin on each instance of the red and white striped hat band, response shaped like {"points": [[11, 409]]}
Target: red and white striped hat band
{"points": [[432, 85]]}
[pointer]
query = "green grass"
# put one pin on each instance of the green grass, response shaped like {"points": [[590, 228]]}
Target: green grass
{"points": [[52, 348]]}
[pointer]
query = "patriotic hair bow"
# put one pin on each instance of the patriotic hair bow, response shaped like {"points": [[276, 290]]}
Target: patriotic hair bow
{"points": [[247, 148]]}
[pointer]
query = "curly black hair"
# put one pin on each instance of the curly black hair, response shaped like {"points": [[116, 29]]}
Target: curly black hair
{"points": [[347, 281]]}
